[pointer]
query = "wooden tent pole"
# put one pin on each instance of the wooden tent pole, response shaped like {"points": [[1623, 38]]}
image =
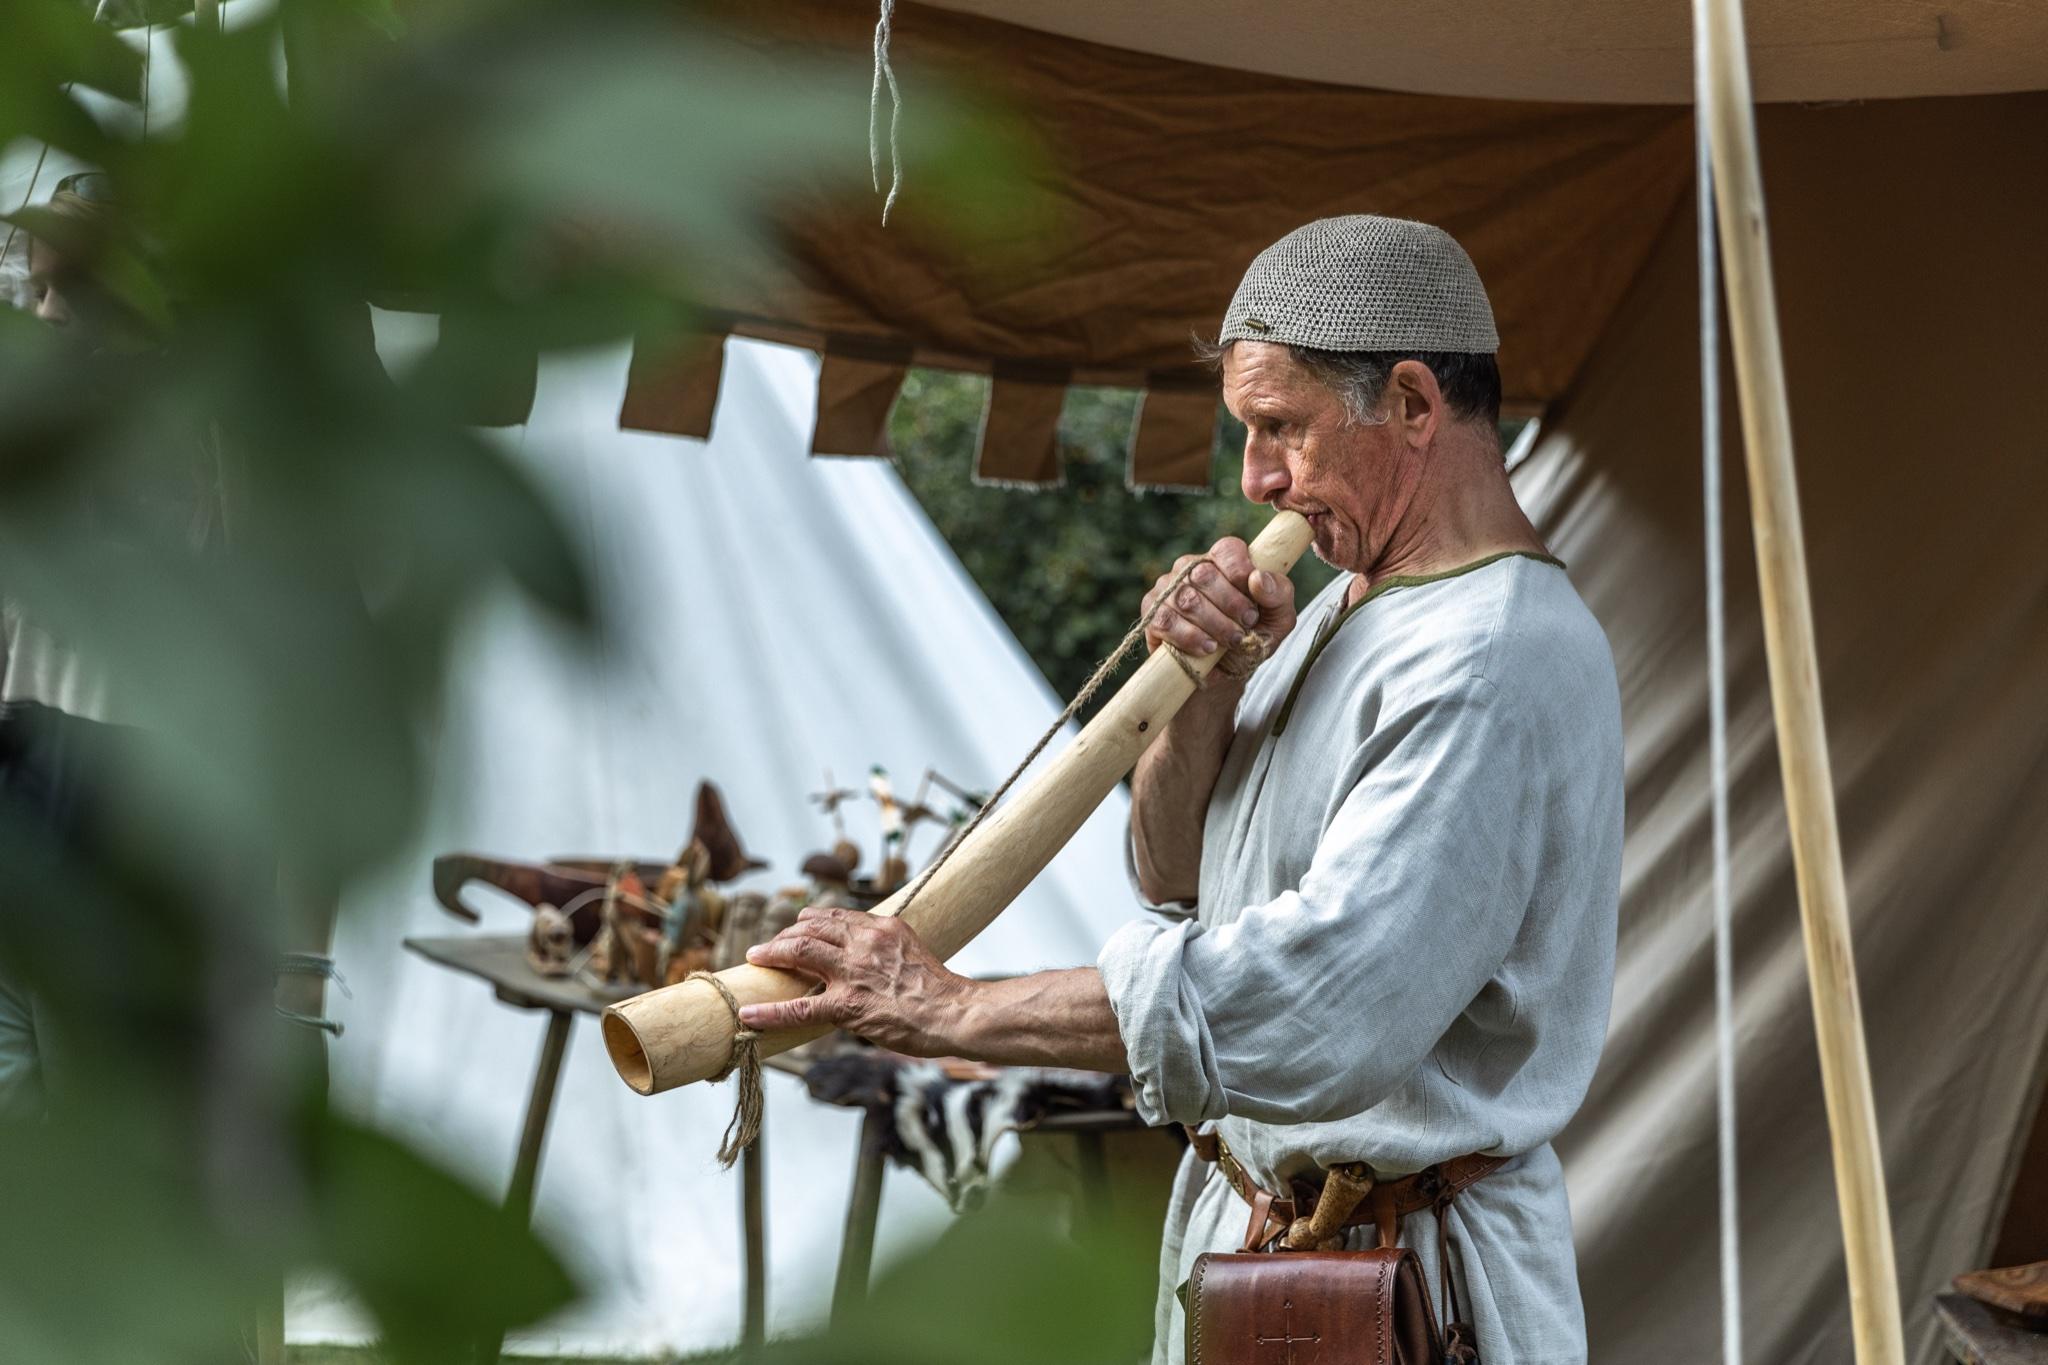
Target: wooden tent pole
{"points": [[1795, 690]]}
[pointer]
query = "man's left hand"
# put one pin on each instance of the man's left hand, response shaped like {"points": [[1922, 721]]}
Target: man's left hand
{"points": [[881, 982]]}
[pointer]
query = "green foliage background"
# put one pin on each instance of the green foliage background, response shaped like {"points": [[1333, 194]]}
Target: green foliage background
{"points": [[1066, 568]]}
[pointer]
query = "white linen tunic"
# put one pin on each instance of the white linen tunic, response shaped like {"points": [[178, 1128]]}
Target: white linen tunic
{"points": [[1403, 944]]}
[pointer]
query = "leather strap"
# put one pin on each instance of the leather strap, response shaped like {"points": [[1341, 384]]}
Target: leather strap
{"points": [[1386, 1216], [1389, 1202], [1255, 1232]]}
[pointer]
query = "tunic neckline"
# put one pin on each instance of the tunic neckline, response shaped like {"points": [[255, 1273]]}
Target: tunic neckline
{"points": [[1328, 630]]}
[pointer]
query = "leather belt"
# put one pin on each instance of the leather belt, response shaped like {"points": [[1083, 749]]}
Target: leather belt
{"points": [[1385, 1206]]}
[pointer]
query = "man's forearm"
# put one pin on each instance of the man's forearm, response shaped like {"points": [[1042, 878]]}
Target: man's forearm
{"points": [[1045, 1019], [1170, 792]]}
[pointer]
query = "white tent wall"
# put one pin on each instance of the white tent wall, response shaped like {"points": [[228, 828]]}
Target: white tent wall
{"points": [[773, 615], [1907, 247]]}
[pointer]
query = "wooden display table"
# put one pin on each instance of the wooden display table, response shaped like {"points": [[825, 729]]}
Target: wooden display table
{"points": [[500, 960], [1978, 1334]]}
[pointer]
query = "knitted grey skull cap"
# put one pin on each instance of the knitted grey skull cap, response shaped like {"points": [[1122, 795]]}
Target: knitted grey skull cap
{"points": [[1364, 283]]}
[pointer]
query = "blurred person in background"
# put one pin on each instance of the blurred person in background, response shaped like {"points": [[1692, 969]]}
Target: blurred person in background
{"points": [[67, 729]]}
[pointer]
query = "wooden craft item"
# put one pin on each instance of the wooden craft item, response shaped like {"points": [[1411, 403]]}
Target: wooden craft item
{"points": [[714, 831], [684, 1033], [557, 882], [2021, 1289]]}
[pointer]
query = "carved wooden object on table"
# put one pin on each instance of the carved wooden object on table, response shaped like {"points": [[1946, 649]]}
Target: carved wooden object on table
{"points": [[2021, 1289]]}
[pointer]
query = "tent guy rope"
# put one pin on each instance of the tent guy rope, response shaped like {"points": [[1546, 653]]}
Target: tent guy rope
{"points": [[1717, 720], [1730, 119]]}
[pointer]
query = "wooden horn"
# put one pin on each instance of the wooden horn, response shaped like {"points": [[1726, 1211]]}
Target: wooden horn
{"points": [[684, 1033]]}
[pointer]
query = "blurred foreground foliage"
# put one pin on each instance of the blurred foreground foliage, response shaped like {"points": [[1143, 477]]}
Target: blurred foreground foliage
{"points": [[210, 489]]}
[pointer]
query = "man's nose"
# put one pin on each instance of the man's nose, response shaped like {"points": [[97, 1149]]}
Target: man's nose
{"points": [[1265, 474]]}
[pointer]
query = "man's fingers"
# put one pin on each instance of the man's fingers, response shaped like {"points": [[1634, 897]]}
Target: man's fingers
{"points": [[1213, 605], [822, 924], [1222, 588], [1232, 556], [1274, 593], [803, 1012], [1205, 620], [799, 952]]}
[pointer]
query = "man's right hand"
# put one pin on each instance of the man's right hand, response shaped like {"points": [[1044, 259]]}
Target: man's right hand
{"points": [[1170, 787], [1219, 602]]}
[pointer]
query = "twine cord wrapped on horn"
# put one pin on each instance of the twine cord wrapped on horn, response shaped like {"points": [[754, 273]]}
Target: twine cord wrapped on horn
{"points": [[745, 1125]]}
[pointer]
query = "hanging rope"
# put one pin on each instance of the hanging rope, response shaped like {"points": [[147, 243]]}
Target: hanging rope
{"points": [[884, 72], [1717, 708]]}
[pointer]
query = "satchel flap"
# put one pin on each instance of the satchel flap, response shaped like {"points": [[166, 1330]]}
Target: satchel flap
{"points": [[1296, 1308]]}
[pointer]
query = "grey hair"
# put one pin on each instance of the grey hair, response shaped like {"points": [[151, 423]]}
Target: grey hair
{"points": [[1470, 382]]}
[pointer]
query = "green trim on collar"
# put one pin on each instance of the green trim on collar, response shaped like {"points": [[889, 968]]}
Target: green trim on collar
{"points": [[1380, 589]]}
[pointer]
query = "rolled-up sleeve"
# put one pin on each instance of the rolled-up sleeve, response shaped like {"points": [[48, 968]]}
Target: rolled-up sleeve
{"points": [[1316, 1004]]}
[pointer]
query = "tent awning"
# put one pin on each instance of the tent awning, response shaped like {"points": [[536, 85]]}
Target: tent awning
{"points": [[1170, 177], [1618, 51]]}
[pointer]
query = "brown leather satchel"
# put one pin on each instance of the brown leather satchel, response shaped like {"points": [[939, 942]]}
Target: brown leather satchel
{"points": [[1298, 1307], [1336, 1307]]}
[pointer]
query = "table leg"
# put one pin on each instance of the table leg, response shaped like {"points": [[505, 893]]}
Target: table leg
{"points": [[754, 1318], [857, 1249], [546, 1079], [526, 1166]]}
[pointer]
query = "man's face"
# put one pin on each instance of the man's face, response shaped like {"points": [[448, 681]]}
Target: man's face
{"points": [[1350, 480]]}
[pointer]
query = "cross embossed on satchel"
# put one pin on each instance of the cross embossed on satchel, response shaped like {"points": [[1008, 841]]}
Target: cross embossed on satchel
{"points": [[1287, 1336]]}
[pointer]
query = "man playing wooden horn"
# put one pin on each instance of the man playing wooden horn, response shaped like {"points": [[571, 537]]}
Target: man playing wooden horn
{"points": [[1384, 870]]}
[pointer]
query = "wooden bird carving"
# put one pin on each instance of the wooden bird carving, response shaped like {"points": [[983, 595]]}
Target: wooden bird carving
{"points": [[715, 832]]}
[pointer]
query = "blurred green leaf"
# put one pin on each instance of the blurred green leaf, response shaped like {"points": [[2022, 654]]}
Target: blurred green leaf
{"points": [[1005, 1286], [213, 493], [440, 1267]]}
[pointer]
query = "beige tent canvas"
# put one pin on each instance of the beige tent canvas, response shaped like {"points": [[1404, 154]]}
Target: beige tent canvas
{"points": [[1903, 149]]}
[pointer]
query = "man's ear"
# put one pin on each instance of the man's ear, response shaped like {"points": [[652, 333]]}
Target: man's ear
{"points": [[1418, 405]]}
